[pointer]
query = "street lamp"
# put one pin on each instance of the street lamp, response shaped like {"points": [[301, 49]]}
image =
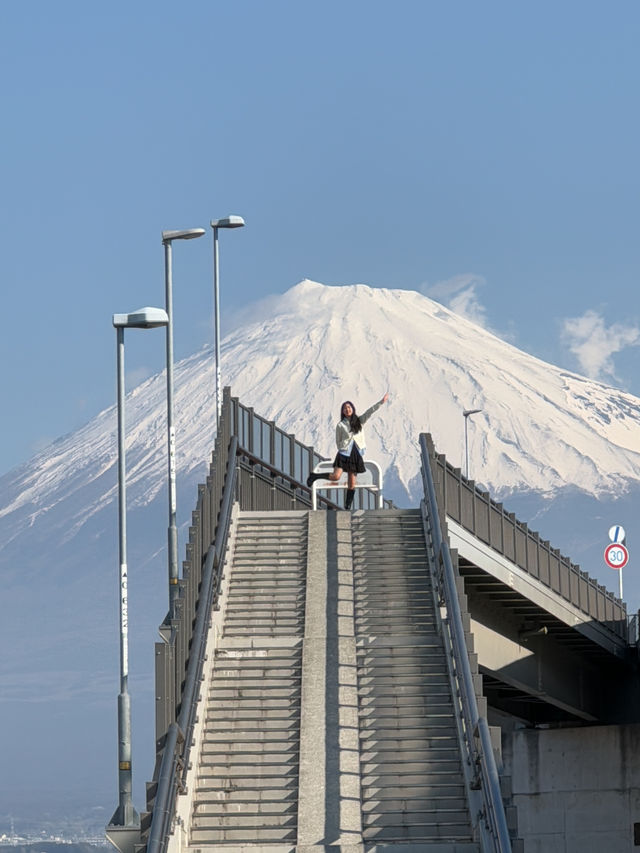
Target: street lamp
{"points": [[465, 415], [227, 222], [124, 828], [167, 239]]}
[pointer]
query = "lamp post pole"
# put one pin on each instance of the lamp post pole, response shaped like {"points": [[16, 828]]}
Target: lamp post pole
{"points": [[124, 827], [172, 537], [227, 222], [466, 414]]}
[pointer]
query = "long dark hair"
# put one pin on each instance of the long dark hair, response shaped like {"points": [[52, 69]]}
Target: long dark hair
{"points": [[354, 420]]}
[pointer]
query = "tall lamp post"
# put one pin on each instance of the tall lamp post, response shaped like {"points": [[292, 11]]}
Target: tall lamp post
{"points": [[167, 239], [227, 222], [465, 415], [124, 828]]}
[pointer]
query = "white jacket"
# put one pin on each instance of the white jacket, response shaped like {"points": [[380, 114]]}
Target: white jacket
{"points": [[345, 437]]}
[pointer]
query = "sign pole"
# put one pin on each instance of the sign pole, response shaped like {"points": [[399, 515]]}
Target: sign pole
{"points": [[620, 578], [616, 555]]}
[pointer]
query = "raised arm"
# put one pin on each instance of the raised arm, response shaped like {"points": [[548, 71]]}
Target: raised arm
{"points": [[365, 417]]}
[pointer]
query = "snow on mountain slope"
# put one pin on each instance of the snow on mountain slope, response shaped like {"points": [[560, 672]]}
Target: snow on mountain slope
{"points": [[541, 428]]}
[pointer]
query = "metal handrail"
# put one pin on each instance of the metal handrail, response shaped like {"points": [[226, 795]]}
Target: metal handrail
{"points": [[174, 763], [480, 755]]}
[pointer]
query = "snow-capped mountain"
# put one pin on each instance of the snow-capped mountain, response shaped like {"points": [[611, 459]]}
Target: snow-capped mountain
{"points": [[541, 430]]}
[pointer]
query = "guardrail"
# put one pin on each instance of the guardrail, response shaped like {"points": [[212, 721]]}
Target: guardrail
{"points": [[481, 773], [487, 519], [370, 480]]}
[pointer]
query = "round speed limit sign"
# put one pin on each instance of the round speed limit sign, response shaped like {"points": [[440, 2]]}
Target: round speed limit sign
{"points": [[616, 556]]}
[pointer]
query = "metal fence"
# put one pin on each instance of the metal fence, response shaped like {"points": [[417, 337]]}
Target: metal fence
{"points": [[275, 466], [474, 510]]}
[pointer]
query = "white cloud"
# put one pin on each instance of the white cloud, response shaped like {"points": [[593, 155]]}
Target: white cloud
{"points": [[460, 295], [593, 343]]}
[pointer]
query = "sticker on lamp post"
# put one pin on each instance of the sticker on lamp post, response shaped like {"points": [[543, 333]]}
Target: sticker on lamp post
{"points": [[616, 555]]}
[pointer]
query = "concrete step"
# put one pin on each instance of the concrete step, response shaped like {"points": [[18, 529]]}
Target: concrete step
{"points": [[445, 774], [450, 789], [225, 739], [257, 704], [220, 809], [247, 795], [278, 619], [387, 767], [246, 726], [451, 833], [247, 836], [256, 670], [429, 656], [249, 756], [241, 713], [422, 598], [416, 803], [409, 847], [264, 631], [209, 782], [401, 718], [248, 693], [250, 682], [255, 821], [265, 770], [432, 750], [429, 684], [370, 683], [291, 597]]}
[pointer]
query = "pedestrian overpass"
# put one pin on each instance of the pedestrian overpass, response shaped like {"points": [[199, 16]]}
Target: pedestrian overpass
{"points": [[336, 681]]}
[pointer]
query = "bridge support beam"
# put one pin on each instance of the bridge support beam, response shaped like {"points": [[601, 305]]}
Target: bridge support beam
{"points": [[538, 667]]}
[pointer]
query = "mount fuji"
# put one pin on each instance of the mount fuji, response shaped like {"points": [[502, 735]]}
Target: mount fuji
{"points": [[558, 448]]}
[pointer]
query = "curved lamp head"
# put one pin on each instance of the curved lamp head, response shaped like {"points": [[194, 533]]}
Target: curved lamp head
{"points": [[468, 412], [143, 318], [228, 222], [186, 234]]}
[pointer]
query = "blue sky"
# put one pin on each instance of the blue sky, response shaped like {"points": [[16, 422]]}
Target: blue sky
{"points": [[483, 153]]}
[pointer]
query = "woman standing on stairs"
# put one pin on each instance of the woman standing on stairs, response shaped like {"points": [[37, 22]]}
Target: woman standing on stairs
{"points": [[351, 446]]}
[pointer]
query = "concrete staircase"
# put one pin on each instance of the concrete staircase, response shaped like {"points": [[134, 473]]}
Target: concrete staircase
{"points": [[326, 720], [411, 775], [247, 781]]}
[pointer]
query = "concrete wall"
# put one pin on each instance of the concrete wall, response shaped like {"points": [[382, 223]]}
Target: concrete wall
{"points": [[577, 790]]}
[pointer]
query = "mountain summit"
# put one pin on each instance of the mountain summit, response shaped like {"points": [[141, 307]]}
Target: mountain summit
{"points": [[541, 429]]}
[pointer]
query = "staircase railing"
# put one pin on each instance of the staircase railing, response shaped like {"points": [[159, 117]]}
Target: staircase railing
{"points": [[175, 754], [482, 772], [489, 521]]}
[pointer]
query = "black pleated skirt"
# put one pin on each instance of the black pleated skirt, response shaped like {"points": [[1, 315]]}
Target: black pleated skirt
{"points": [[353, 464]]}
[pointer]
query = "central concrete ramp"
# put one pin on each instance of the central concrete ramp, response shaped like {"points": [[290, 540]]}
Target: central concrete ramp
{"points": [[326, 719]]}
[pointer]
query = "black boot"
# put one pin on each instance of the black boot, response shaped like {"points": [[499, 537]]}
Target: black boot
{"points": [[312, 478], [349, 499]]}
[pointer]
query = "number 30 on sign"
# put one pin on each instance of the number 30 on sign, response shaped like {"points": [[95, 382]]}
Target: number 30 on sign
{"points": [[616, 556]]}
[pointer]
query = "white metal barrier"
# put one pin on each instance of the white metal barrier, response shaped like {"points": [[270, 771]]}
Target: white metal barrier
{"points": [[371, 479]]}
